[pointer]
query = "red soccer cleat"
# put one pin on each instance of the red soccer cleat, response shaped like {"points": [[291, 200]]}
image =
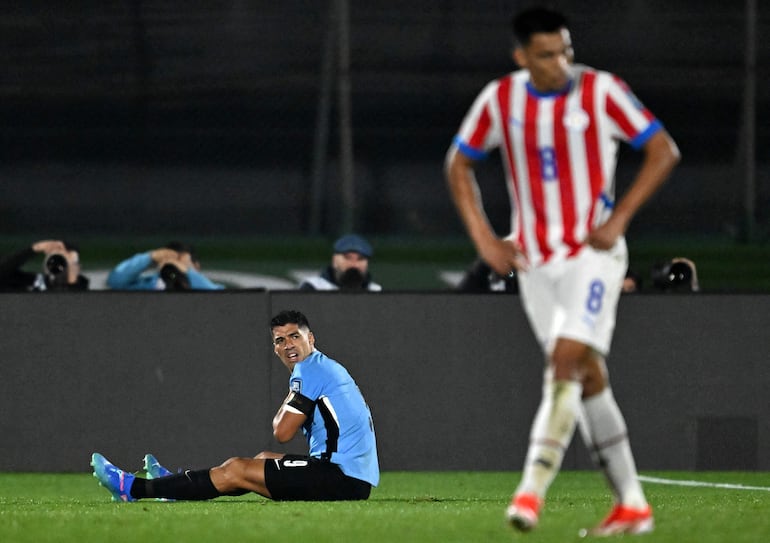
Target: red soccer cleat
{"points": [[523, 511], [624, 520]]}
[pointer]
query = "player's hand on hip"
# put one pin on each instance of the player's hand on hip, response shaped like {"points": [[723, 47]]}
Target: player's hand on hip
{"points": [[503, 256], [604, 237]]}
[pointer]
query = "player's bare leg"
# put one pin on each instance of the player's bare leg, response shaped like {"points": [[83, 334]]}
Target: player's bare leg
{"points": [[238, 475], [552, 431]]}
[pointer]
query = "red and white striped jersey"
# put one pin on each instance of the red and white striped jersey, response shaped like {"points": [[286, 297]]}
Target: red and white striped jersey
{"points": [[559, 151]]}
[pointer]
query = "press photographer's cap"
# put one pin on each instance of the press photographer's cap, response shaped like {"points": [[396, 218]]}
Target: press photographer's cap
{"points": [[355, 244]]}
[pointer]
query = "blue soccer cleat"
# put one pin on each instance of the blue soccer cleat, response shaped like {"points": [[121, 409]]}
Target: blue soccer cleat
{"points": [[153, 468], [114, 479]]}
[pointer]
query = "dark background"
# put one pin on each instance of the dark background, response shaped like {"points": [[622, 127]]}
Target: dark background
{"points": [[121, 118]]}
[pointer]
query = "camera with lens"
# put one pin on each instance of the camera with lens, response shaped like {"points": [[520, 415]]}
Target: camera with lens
{"points": [[674, 276], [174, 278], [55, 268]]}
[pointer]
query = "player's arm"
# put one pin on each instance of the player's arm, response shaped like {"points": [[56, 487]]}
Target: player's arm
{"points": [[292, 414], [660, 156], [499, 254]]}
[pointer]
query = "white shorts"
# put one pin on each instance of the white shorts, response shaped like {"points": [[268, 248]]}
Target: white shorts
{"points": [[575, 298]]}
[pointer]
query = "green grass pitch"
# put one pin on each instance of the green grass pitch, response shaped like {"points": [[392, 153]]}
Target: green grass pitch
{"points": [[406, 507]]}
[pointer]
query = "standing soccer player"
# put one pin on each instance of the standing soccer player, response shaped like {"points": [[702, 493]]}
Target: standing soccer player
{"points": [[558, 125]]}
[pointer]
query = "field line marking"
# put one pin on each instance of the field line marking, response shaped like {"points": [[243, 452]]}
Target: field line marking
{"points": [[677, 482]]}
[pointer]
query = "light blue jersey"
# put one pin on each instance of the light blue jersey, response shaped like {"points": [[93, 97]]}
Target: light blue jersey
{"points": [[340, 428]]}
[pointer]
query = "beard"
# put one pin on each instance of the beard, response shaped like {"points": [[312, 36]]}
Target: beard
{"points": [[352, 279]]}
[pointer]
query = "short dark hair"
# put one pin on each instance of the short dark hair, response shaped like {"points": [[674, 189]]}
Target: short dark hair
{"points": [[534, 20], [69, 246], [290, 316], [182, 247]]}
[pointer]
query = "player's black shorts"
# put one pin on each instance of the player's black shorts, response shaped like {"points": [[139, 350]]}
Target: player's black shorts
{"points": [[297, 477]]}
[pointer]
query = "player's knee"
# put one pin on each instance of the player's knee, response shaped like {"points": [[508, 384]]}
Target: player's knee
{"points": [[575, 361], [594, 377], [593, 385], [232, 469], [566, 368]]}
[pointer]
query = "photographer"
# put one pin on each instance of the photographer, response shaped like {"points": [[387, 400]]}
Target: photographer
{"points": [[173, 267], [61, 269], [349, 268]]}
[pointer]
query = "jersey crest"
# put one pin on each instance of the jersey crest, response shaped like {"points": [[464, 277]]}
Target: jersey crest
{"points": [[576, 120]]}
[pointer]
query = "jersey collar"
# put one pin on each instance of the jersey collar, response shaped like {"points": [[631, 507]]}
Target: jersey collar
{"points": [[549, 94]]}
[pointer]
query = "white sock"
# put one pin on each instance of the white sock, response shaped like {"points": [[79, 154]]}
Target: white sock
{"points": [[551, 434], [604, 432]]}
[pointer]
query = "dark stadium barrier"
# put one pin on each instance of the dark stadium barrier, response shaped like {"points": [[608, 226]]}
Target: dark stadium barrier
{"points": [[453, 380]]}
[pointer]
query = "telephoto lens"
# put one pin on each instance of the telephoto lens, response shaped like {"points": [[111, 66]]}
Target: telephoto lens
{"points": [[174, 278], [56, 264], [673, 276]]}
